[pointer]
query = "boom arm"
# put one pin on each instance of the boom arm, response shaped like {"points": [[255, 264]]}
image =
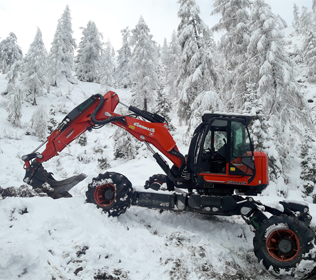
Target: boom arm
{"points": [[97, 111]]}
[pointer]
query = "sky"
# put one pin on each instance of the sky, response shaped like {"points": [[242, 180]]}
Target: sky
{"points": [[22, 17]]}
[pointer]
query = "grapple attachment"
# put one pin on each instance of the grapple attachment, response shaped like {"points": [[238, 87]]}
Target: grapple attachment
{"points": [[38, 177]]}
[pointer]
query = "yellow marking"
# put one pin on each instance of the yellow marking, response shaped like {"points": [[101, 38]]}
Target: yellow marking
{"points": [[232, 169], [131, 127]]}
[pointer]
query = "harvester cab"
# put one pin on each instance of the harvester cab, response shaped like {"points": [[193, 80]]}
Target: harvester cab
{"points": [[221, 156]]}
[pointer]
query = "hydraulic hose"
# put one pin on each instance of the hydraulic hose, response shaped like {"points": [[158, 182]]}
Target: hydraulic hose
{"points": [[98, 108]]}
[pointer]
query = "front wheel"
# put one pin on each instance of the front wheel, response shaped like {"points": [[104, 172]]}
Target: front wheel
{"points": [[281, 241], [110, 191]]}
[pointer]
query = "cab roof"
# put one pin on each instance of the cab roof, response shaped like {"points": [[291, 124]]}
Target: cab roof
{"points": [[229, 116]]}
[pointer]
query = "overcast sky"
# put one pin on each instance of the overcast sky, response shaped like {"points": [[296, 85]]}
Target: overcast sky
{"points": [[111, 16]]}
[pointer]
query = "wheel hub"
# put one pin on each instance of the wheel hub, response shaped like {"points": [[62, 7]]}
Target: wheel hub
{"points": [[285, 246], [104, 195]]}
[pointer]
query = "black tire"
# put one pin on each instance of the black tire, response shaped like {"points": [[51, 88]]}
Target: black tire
{"points": [[110, 191], [156, 181], [281, 242]]}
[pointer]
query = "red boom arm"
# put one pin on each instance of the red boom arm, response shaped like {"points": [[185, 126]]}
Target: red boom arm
{"points": [[80, 119]]}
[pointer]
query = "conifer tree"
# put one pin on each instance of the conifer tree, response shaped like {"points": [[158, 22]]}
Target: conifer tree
{"points": [[14, 107], [234, 22], [35, 68], [38, 123], [106, 68], [309, 51], [123, 70], [308, 165], [196, 72], [14, 93], [89, 54], [55, 67], [174, 56], [296, 20], [60, 60], [125, 145], [306, 20], [281, 22], [269, 68], [10, 52], [144, 65], [69, 44]]}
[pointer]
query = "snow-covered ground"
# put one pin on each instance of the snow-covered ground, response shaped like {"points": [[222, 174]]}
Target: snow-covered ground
{"points": [[42, 238]]}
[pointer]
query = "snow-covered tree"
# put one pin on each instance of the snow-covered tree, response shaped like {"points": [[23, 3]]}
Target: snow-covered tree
{"points": [[38, 123], [164, 107], [69, 44], [15, 93], [309, 51], [10, 52], [306, 20], [35, 68], [106, 70], [234, 22], [60, 59], [268, 72], [296, 19], [55, 68], [281, 22], [89, 54], [123, 70], [125, 145], [144, 64], [196, 72], [269, 67], [308, 165], [172, 68], [13, 76]]}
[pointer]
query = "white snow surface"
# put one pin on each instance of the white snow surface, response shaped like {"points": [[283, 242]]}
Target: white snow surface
{"points": [[67, 238]]}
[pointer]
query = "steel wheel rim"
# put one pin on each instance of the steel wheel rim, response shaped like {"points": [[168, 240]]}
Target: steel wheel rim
{"points": [[105, 195], [283, 245]]}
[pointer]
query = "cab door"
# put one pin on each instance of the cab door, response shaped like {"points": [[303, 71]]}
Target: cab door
{"points": [[241, 157]]}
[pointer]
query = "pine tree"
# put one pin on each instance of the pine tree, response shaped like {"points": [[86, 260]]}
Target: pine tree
{"points": [[55, 68], [15, 94], [234, 22], [164, 107], [89, 54], [69, 44], [106, 68], [173, 65], [306, 20], [281, 22], [125, 145], [38, 123], [123, 70], [10, 52], [268, 72], [13, 76], [196, 72], [35, 68], [308, 165], [296, 20], [309, 51], [269, 67], [144, 65], [14, 107]]}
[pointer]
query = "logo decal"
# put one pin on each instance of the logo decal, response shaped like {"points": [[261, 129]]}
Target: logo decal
{"points": [[151, 130], [236, 183]]}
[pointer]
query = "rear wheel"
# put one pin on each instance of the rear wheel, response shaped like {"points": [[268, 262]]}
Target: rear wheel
{"points": [[281, 241], [110, 191]]}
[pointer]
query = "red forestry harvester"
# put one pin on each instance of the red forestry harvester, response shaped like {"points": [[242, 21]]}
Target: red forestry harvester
{"points": [[221, 174]]}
